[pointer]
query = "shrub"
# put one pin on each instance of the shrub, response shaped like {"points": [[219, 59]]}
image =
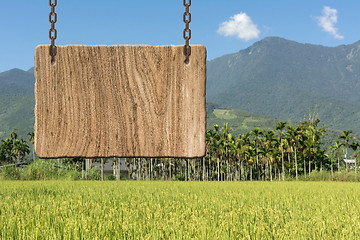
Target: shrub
{"points": [[110, 177], [73, 175], [93, 174], [41, 170], [342, 176]]}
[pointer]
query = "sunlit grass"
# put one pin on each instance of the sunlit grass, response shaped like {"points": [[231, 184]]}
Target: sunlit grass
{"points": [[179, 210]]}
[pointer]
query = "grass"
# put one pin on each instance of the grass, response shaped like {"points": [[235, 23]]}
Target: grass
{"points": [[342, 176], [179, 210], [47, 170]]}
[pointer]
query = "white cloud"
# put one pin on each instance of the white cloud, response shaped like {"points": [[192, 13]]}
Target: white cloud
{"points": [[328, 20], [239, 25]]}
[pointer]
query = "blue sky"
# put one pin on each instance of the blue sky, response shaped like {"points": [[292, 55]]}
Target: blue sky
{"points": [[225, 26]]}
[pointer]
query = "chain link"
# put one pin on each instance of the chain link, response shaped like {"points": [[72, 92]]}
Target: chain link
{"points": [[187, 31], [52, 31]]}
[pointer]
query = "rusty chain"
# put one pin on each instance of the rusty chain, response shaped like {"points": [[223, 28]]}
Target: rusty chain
{"points": [[187, 31], [52, 31]]}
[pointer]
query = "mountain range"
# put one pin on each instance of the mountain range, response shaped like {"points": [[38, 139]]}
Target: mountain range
{"points": [[285, 79], [274, 79]]}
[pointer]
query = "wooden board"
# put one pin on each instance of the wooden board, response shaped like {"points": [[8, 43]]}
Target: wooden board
{"points": [[120, 101]]}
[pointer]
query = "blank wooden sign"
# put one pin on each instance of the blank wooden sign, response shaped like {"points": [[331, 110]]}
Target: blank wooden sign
{"points": [[120, 101]]}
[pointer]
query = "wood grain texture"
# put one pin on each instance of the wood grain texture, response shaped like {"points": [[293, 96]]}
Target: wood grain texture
{"points": [[120, 101]]}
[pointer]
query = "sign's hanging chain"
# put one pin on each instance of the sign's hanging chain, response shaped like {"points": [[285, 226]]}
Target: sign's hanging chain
{"points": [[52, 31], [187, 31]]}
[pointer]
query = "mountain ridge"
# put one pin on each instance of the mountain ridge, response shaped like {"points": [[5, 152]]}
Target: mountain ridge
{"points": [[281, 78], [17, 81], [306, 61]]}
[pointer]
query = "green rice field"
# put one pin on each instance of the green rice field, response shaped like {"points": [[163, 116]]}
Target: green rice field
{"points": [[179, 210]]}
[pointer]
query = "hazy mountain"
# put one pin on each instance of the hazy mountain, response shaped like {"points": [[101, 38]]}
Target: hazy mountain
{"points": [[285, 79]]}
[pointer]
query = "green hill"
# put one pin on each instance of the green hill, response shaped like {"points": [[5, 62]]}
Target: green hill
{"points": [[285, 79], [17, 102], [16, 111]]}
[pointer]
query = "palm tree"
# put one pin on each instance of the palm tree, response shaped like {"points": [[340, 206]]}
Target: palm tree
{"points": [[269, 143], [12, 140], [346, 136], [336, 150], [265, 151], [32, 141], [232, 158], [13, 135], [293, 135], [331, 161], [210, 136], [250, 153], [280, 126], [244, 144], [313, 137], [235, 153], [20, 149], [219, 153], [215, 148], [257, 134], [274, 156], [357, 154], [226, 140], [6, 153], [282, 142], [354, 146], [238, 151]]}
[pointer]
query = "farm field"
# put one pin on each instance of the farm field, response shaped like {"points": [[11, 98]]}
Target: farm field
{"points": [[179, 210]]}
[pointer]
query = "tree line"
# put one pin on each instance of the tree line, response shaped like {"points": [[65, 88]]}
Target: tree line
{"points": [[287, 151]]}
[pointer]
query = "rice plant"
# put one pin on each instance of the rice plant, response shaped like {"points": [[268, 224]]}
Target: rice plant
{"points": [[179, 210]]}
